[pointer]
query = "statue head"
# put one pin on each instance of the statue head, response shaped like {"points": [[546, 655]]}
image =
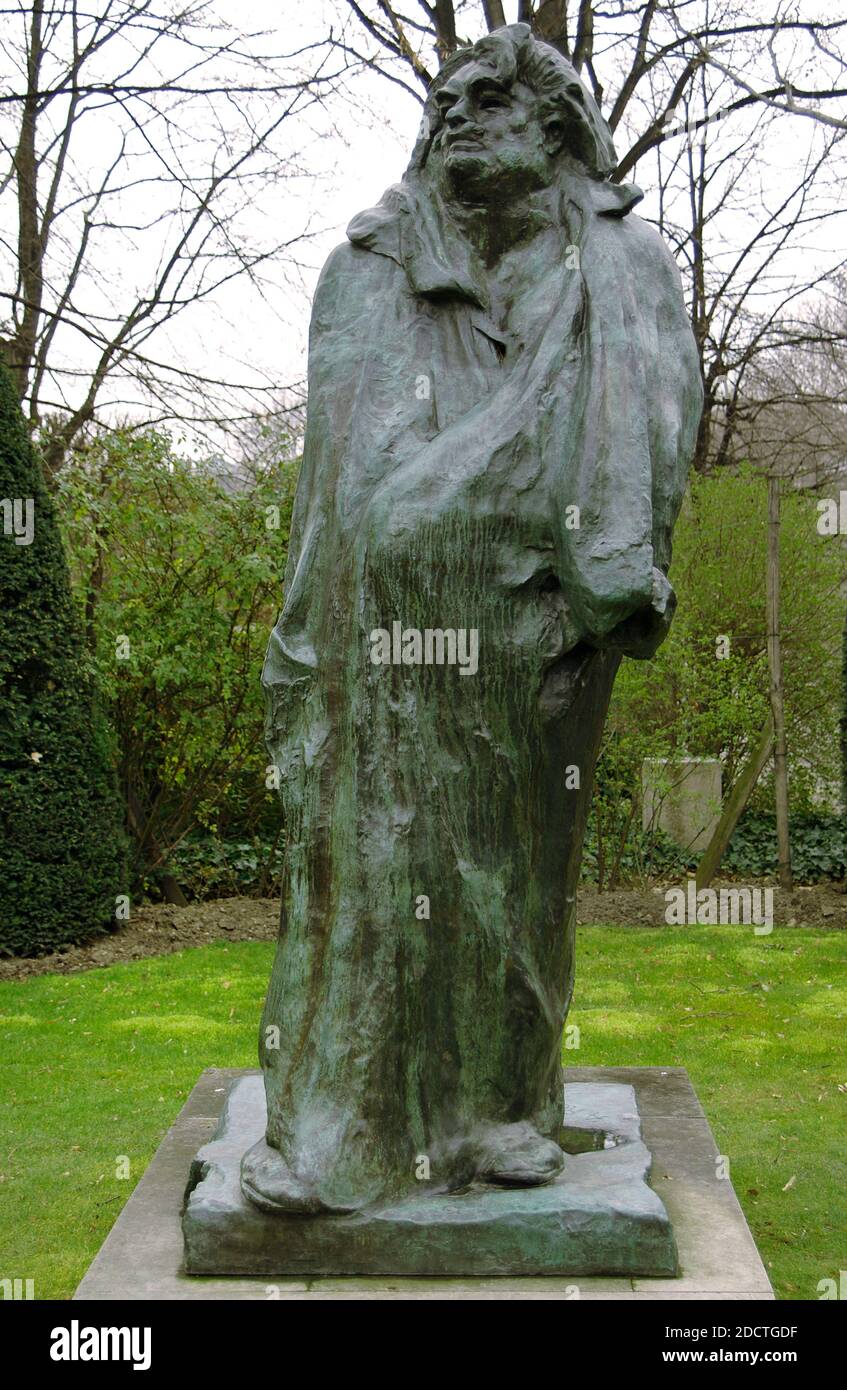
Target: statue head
{"points": [[502, 117]]}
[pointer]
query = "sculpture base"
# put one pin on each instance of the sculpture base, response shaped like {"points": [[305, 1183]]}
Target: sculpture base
{"points": [[598, 1217], [142, 1256]]}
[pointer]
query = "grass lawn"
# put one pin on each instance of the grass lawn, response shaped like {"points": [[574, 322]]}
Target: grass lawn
{"points": [[96, 1065]]}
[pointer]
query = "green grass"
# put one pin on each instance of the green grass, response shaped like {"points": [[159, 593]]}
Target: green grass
{"points": [[760, 1024], [96, 1065]]}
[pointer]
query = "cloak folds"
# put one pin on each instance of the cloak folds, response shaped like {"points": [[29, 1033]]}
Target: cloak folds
{"points": [[445, 454]]}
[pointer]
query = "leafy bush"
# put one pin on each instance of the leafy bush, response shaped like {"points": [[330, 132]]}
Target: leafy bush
{"points": [[702, 696], [817, 852], [207, 867], [817, 847], [179, 571], [843, 721], [60, 823]]}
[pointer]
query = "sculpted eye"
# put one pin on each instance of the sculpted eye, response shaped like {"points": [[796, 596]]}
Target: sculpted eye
{"points": [[491, 101]]}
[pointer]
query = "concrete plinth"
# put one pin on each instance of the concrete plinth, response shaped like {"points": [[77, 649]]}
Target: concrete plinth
{"points": [[142, 1258], [683, 798]]}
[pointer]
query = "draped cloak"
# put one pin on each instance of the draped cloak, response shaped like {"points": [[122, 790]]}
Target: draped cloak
{"points": [[446, 463]]}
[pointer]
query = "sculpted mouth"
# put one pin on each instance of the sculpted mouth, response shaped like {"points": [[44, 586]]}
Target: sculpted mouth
{"points": [[462, 142]]}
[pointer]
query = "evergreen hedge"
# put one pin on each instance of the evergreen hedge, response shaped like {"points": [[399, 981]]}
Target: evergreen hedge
{"points": [[62, 850], [843, 723]]}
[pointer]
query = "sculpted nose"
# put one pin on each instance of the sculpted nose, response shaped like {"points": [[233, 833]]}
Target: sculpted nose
{"points": [[459, 114]]}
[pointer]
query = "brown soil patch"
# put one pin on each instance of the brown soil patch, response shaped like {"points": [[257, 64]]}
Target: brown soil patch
{"points": [[821, 905], [157, 929]]}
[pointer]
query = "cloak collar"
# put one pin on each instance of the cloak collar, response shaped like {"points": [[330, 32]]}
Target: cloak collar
{"points": [[407, 227]]}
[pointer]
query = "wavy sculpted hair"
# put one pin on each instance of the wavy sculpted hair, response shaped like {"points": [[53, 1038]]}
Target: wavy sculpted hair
{"points": [[513, 53]]}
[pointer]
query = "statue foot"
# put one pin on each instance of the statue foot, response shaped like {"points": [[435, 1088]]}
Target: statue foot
{"points": [[518, 1156], [268, 1182]]}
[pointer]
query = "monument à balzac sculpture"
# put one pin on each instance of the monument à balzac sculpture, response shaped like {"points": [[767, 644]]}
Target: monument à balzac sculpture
{"points": [[504, 395]]}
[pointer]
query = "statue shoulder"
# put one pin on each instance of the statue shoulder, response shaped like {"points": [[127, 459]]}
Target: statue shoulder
{"points": [[346, 285], [654, 256]]}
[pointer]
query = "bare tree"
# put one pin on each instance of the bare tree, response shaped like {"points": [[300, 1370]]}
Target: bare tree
{"points": [[137, 136], [640, 54], [739, 228], [737, 119]]}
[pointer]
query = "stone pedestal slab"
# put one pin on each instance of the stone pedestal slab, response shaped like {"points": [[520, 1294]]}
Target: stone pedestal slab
{"points": [[142, 1257]]}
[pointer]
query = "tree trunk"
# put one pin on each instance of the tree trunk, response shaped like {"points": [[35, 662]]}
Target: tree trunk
{"points": [[30, 245], [780, 756], [148, 848], [843, 731], [494, 15]]}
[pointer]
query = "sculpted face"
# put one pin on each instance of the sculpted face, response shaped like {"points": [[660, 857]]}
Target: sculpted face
{"points": [[493, 144]]}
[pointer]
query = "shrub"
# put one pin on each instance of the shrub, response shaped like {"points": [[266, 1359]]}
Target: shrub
{"points": [[178, 567], [705, 697], [207, 867], [817, 852], [61, 840]]}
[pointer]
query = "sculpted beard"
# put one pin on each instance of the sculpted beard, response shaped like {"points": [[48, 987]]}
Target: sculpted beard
{"points": [[492, 144]]}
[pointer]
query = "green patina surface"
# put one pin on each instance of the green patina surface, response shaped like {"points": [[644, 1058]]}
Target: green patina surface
{"points": [[497, 442]]}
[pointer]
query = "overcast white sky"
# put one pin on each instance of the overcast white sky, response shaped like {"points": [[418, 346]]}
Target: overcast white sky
{"points": [[350, 151], [354, 151], [378, 133]]}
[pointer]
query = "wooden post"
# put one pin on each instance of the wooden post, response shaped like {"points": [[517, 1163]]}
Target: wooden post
{"points": [[780, 756], [739, 796]]}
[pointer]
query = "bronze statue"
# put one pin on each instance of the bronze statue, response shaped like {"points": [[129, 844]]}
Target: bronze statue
{"points": [[503, 400]]}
